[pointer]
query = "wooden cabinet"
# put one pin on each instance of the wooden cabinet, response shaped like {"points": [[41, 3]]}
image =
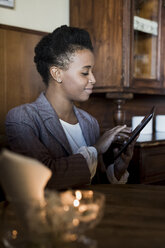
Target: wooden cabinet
{"points": [[148, 163], [128, 38], [147, 53]]}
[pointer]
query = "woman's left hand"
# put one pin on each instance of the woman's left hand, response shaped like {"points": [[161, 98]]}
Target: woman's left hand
{"points": [[121, 164]]}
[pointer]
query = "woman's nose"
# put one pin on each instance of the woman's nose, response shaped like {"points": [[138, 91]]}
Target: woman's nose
{"points": [[92, 79]]}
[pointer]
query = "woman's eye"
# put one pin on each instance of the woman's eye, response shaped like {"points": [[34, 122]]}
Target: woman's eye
{"points": [[85, 73]]}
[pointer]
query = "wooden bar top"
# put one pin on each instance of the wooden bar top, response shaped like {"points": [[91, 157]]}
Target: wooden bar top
{"points": [[134, 217]]}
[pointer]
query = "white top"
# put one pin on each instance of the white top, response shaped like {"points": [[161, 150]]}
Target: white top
{"points": [[74, 135], [78, 145]]}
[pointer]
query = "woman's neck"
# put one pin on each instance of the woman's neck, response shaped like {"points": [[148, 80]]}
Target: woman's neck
{"points": [[61, 105]]}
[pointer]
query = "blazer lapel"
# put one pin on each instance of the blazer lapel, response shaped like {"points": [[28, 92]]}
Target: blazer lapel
{"points": [[54, 126], [52, 123], [86, 127]]}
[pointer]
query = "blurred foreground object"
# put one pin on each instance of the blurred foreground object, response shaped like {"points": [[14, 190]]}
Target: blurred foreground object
{"points": [[22, 178], [61, 222]]}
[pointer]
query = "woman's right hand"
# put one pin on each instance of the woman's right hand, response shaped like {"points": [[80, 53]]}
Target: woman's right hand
{"points": [[108, 137]]}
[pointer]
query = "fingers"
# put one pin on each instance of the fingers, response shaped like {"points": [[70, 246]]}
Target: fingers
{"points": [[126, 159], [109, 136], [117, 129], [127, 155], [111, 133], [115, 151], [125, 132], [128, 129], [123, 135]]}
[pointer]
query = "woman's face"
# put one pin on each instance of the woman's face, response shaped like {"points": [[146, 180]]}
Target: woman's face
{"points": [[78, 80]]}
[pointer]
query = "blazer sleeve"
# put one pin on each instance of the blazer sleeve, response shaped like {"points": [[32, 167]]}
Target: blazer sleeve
{"points": [[67, 171]]}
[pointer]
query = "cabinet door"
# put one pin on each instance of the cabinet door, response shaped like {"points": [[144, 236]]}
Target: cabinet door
{"points": [[146, 66], [148, 164], [103, 20]]}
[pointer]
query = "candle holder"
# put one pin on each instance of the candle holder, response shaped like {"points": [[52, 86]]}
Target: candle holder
{"points": [[61, 221], [89, 211]]}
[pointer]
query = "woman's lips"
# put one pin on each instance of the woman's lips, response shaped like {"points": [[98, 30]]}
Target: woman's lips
{"points": [[89, 90]]}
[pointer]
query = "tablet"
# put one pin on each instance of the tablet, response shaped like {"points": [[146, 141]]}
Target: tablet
{"points": [[133, 136]]}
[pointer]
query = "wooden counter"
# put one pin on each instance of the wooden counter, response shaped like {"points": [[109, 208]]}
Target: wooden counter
{"points": [[134, 217]]}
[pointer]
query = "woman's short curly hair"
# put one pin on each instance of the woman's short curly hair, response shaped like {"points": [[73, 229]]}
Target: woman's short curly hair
{"points": [[57, 48]]}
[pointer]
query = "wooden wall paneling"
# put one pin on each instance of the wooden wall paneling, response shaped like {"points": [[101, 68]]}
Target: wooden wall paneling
{"points": [[19, 80], [23, 81]]}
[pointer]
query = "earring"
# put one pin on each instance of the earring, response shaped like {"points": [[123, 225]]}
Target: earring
{"points": [[59, 81]]}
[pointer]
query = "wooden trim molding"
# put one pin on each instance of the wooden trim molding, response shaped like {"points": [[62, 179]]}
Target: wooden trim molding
{"points": [[25, 30]]}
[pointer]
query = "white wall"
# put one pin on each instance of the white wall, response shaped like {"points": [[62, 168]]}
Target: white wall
{"points": [[41, 15]]}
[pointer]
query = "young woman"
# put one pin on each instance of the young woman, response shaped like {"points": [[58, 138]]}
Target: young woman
{"points": [[52, 129]]}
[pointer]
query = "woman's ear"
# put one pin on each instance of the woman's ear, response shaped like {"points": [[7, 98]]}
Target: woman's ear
{"points": [[55, 73]]}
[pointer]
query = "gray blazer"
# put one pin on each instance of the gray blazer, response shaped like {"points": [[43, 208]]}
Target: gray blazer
{"points": [[34, 130]]}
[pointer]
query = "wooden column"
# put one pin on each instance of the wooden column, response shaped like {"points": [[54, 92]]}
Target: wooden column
{"points": [[119, 100]]}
